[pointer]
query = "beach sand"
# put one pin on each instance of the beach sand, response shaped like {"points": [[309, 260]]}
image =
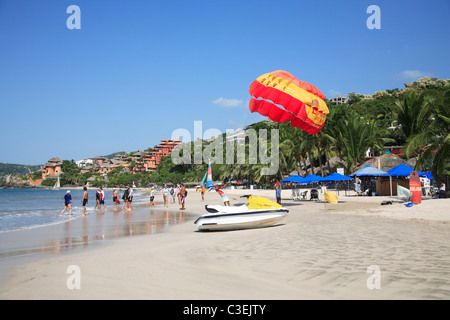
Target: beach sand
{"points": [[318, 251]]}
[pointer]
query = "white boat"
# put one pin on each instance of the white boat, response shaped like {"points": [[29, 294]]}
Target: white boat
{"points": [[255, 213]]}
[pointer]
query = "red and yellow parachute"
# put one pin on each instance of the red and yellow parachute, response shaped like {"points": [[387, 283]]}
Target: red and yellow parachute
{"points": [[282, 97]]}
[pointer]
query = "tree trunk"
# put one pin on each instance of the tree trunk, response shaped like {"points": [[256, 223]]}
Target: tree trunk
{"points": [[285, 164], [311, 161], [325, 150], [306, 167], [296, 164], [320, 162]]}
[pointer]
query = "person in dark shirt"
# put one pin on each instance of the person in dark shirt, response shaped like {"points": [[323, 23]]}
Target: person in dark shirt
{"points": [[67, 203]]}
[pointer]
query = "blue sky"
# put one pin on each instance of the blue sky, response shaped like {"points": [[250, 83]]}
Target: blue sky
{"points": [[138, 70]]}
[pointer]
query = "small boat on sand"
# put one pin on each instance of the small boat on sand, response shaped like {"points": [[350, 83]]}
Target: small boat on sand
{"points": [[255, 213]]}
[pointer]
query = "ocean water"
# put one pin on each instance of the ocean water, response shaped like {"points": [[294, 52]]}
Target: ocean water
{"points": [[32, 208]]}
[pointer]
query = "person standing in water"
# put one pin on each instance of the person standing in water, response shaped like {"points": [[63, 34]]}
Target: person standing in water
{"points": [[102, 199], [130, 197], [125, 198], [114, 197], [85, 200], [67, 203]]}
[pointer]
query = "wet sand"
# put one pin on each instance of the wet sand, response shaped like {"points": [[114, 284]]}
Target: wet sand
{"points": [[318, 251]]}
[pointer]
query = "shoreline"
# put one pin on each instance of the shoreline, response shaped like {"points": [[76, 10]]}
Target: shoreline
{"points": [[312, 254]]}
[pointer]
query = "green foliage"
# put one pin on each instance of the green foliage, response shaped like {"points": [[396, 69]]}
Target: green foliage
{"points": [[417, 117], [70, 173], [17, 169], [48, 182]]}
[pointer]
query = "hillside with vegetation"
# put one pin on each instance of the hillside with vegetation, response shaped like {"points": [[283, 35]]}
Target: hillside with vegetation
{"points": [[417, 118], [17, 169]]}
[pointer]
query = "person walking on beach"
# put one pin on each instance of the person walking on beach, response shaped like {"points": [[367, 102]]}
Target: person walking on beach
{"points": [[178, 194], [102, 199], [97, 199], [277, 187], [172, 195], [165, 192], [67, 203], [130, 197], [125, 198], [222, 194], [152, 197], [85, 200], [114, 197], [182, 196], [203, 192]]}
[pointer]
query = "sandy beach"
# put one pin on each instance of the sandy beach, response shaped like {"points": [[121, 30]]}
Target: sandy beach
{"points": [[318, 251]]}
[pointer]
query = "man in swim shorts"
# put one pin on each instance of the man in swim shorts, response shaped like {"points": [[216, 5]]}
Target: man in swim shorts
{"points": [[115, 196], [85, 200]]}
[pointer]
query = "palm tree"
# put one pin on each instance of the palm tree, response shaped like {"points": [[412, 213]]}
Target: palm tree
{"points": [[412, 114], [309, 145], [358, 136], [434, 136]]}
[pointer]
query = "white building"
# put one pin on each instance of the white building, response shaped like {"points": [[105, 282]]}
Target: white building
{"points": [[340, 99], [84, 163]]}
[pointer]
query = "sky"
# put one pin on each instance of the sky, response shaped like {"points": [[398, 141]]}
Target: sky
{"points": [[137, 70]]}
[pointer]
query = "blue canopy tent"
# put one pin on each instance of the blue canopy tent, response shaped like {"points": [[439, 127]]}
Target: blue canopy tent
{"points": [[336, 177], [402, 170], [297, 179], [312, 178], [369, 171], [294, 178]]}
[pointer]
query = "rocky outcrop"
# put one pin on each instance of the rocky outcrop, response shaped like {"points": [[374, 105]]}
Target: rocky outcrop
{"points": [[15, 182]]}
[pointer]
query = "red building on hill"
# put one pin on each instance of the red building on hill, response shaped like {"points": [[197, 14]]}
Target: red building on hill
{"points": [[152, 158]]}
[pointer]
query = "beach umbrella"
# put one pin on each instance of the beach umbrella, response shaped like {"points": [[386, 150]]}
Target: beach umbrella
{"points": [[291, 179], [336, 177], [313, 178], [402, 170]]}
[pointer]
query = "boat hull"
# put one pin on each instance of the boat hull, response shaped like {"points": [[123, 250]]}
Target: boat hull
{"points": [[243, 220]]}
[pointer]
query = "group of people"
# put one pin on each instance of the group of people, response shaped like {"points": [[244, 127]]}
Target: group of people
{"points": [[179, 192], [100, 199]]}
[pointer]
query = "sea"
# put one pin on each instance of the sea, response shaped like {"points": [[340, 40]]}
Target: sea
{"points": [[33, 208], [30, 221]]}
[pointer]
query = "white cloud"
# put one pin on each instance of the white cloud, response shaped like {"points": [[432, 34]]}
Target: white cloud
{"points": [[228, 103], [412, 75]]}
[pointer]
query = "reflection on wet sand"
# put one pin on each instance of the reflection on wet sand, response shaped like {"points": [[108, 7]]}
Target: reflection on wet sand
{"points": [[96, 227]]}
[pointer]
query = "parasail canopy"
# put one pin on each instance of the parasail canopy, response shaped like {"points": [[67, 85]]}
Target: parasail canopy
{"points": [[282, 97]]}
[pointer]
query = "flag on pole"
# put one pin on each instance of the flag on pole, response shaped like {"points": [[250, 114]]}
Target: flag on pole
{"points": [[330, 197], [209, 182]]}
